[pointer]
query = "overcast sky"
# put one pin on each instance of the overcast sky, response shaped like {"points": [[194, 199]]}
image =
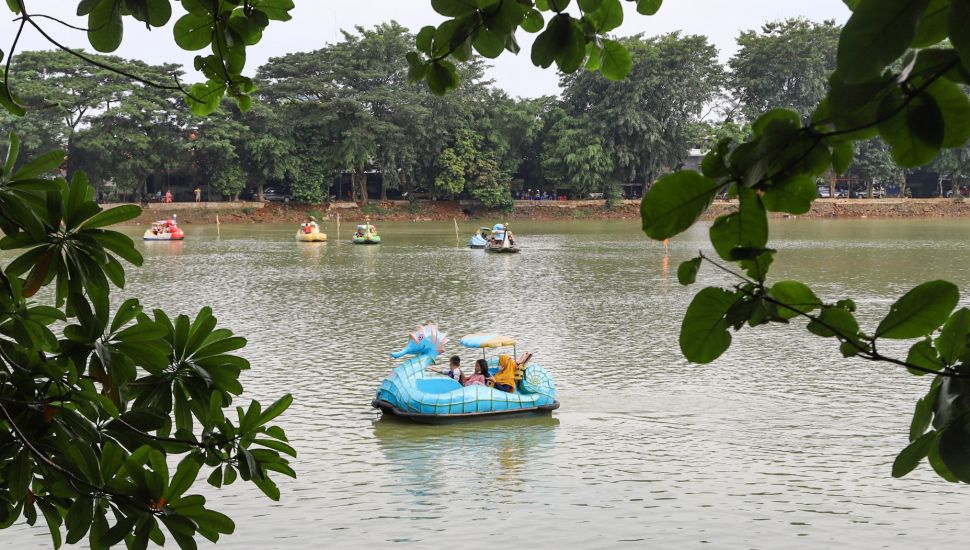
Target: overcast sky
{"points": [[317, 22]]}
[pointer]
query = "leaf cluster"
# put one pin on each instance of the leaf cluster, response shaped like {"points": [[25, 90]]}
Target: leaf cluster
{"points": [[95, 405]]}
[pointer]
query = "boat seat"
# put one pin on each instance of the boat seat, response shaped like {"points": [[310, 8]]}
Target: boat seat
{"points": [[521, 364]]}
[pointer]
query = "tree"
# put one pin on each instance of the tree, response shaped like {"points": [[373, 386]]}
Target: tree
{"points": [[575, 158], [467, 166], [785, 66], [214, 143], [872, 164], [266, 148], [131, 140], [956, 164], [900, 74], [644, 121]]}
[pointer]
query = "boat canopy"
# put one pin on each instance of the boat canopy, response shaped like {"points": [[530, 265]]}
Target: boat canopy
{"points": [[498, 227], [484, 228], [483, 340]]}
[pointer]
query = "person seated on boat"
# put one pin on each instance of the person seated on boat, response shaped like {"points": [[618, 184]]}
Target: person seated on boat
{"points": [[453, 371], [310, 225], [480, 378], [504, 379]]}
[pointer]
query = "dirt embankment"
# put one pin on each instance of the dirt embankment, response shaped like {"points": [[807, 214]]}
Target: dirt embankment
{"points": [[207, 213], [868, 208], [189, 213]]}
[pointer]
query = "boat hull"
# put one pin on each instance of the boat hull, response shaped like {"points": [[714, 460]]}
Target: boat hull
{"points": [[366, 241], [166, 238], [502, 250], [311, 237], [426, 418]]}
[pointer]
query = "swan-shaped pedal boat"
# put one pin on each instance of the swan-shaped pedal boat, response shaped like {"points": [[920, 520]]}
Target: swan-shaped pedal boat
{"points": [[164, 230], [411, 392], [309, 232], [366, 234], [479, 238]]}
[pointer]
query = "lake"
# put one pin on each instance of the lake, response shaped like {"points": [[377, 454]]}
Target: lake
{"points": [[780, 443]]}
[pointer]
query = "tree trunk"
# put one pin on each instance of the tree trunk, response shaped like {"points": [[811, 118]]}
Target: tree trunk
{"points": [[940, 184], [362, 181], [901, 179], [868, 188], [832, 184], [383, 189]]}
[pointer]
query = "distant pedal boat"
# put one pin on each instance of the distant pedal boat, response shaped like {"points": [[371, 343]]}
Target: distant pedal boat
{"points": [[164, 230], [310, 233], [366, 234], [501, 240]]}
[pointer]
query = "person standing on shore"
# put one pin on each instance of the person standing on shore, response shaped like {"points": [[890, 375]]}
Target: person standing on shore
{"points": [[168, 196], [198, 194]]}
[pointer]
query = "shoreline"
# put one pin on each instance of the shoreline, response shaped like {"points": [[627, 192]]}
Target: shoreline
{"points": [[430, 211]]}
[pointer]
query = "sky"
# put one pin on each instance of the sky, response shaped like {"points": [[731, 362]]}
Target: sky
{"points": [[318, 22]]}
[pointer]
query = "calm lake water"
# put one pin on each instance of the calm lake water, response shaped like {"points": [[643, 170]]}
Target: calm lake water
{"points": [[780, 443]]}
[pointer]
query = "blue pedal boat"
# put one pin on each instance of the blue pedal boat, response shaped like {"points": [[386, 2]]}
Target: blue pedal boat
{"points": [[411, 392], [480, 238]]}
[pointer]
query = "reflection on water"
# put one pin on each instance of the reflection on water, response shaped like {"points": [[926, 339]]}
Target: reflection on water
{"points": [[488, 455], [781, 443]]}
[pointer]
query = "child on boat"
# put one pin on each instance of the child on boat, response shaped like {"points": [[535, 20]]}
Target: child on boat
{"points": [[480, 377], [453, 371]]}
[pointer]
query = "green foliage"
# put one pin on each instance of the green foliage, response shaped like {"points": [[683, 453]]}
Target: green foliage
{"points": [[227, 28], [785, 65], [95, 406], [569, 39]]}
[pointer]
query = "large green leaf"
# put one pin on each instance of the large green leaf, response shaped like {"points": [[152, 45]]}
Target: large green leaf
{"points": [[649, 7], [920, 311], [793, 196], [834, 321], [795, 294], [193, 32], [954, 445], [675, 202], [105, 26], [959, 30], [952, 341], [910, 457], [914, 130], [746, 228], [112, 216], [607, 17], [878, 32], [704, 332], [615, 60]]}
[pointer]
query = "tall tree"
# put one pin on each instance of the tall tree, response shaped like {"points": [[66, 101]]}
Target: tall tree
{"points": [[645, 121], [784, 66], [873, 164]]}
